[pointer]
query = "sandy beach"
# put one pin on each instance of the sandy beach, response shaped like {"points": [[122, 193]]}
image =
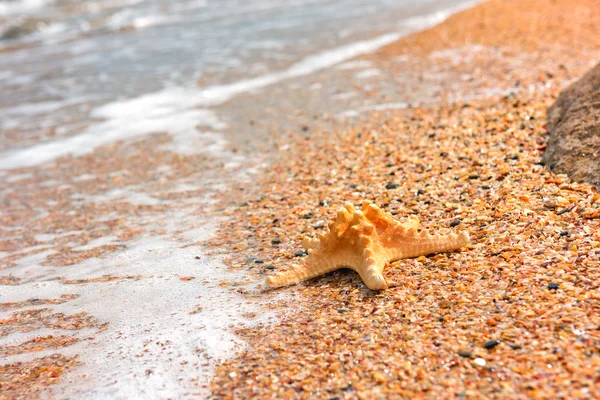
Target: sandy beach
{"points": [[447, 124], [513, 315]]}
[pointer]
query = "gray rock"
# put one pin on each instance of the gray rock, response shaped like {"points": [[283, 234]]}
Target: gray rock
{"points": [[574, 126]]}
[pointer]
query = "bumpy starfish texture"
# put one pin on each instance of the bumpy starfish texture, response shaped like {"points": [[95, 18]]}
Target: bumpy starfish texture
{"points": [[366, 240]]}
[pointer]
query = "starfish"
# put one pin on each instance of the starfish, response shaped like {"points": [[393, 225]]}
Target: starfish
{"points": [[366, 240]]}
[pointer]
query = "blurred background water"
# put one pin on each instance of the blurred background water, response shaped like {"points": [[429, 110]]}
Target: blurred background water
{"points": [[61, 58]]}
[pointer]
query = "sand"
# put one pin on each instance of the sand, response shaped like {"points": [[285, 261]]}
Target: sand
{"points": [[513, 315], [461, 133]]}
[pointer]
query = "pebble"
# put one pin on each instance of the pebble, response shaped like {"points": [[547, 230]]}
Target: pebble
{"points": [[553, 286], [455, 222], [490, 344], [465, 354], [390, 186], [276, 241], [479, 361]]}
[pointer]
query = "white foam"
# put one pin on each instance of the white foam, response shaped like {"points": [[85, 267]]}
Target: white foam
{"points": [[98, 242], [174, 110], [367, 73], [21, 6], [172, 118], [154, 346]]}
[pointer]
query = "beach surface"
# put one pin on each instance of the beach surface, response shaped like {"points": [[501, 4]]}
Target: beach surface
{"points": [[142, 276], [515, 314]]}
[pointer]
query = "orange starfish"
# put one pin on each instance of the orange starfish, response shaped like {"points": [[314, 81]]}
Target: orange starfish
{"points": [[366, 240]]}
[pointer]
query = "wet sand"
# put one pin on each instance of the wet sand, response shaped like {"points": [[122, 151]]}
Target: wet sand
{"points": [[458, 127], [514, 314]]}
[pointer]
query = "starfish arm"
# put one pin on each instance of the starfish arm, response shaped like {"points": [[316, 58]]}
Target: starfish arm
{"points": [[306, 271], [427, 244], [372, 276]]}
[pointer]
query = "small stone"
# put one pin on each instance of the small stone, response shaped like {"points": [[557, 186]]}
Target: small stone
{"points": [[479, 361], [454, 222], [276, 241], [486, 187], [564, 210], [271, 267], [553, 286], [390, 186], [490, 344], [258, 261], [420, 192], [465, 354], [300, 254], [474, 176], [563, 233]]}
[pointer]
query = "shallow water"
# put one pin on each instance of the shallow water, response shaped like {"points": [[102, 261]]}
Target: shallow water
{"points": [[113, 117]]}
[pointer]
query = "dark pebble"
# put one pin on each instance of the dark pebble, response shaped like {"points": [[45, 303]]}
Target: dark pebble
{"points": [[390, 186], [390, 165], [304, 128], [455, 223], [276, 241], [465, 354], [490, 344], [258, 261], [553, 286], [486, 187], [564, 210], [516, 346], [552, 165], [563, 233], [276, 220], [300, 254], [420, 191], [270, 267], [197, 257], [394, 212], [443, 154], [473, 176]]}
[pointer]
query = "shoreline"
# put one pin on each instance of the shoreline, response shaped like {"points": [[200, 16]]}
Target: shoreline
{"points": [[105, 253], [525, 284], [414, 70]]}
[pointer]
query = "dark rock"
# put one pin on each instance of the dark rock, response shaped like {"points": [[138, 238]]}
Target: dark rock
{"points": [[465, 354], [490, 344], [455, 222], [574, 127], [276, 241], [553, 286], [390, 186]]}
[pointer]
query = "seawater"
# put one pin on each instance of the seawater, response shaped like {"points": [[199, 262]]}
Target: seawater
{"points": [[102, 72]]}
